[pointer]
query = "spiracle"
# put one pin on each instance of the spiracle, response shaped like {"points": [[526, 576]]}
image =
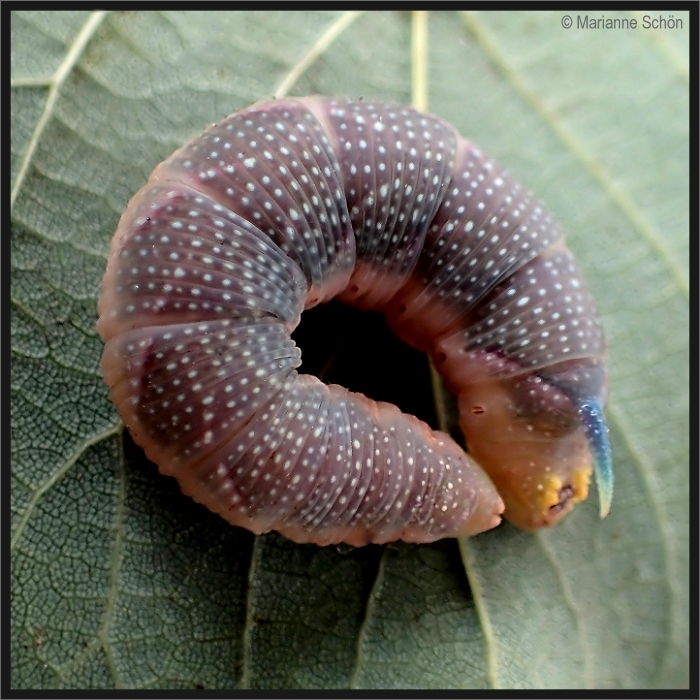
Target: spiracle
{"points": [[290, 203]]}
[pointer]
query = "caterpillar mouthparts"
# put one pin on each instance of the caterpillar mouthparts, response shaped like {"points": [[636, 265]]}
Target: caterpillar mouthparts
{"points": [[289, 203]]}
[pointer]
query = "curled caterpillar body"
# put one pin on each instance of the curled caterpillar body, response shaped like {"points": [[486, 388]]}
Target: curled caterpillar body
{"points": [[290, 203]]}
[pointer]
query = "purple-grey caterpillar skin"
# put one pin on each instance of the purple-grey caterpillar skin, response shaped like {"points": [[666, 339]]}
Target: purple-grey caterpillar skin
{"points": [[289, 203]]}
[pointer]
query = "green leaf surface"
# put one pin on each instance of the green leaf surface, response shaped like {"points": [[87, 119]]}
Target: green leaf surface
{"points": [[120, 581]]}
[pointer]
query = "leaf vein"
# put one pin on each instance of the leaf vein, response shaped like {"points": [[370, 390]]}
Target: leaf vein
{"points": [[570, 601], [115, 567], [75, 50], [323, 42], [55, 476], [646, 472], [366, 621], [248, 622], [483, 613]]}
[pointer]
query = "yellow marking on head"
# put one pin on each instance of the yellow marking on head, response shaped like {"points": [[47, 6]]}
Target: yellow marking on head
{"points": [[581, 479], [550, 493]]}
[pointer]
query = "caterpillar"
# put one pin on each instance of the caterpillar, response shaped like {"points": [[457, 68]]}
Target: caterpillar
{"points": [[289, 203]]}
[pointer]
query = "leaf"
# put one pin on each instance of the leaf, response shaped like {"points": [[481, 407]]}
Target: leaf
{"points": [[120, 581]]}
